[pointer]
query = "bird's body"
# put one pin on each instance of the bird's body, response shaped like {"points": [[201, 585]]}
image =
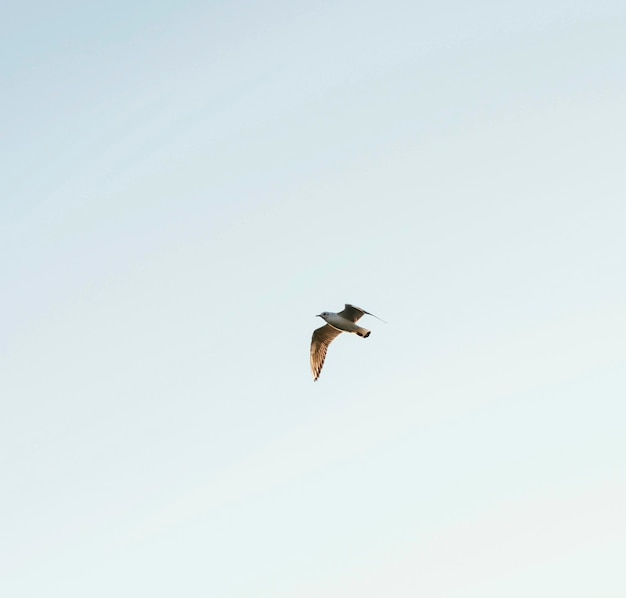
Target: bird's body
{"points": [[344, 325], [344, 321]]}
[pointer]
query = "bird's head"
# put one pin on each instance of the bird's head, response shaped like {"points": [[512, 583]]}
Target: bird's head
{"points": [[324, 315]]}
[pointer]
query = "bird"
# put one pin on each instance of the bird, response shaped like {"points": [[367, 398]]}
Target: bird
{"points": [[336, 323]]}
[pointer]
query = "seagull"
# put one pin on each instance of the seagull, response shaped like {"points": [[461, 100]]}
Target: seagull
{"points": [[344, 321]]}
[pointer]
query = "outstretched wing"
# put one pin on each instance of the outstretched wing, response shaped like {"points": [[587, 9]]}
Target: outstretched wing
{"points": [[322, 337], [353, 313]]}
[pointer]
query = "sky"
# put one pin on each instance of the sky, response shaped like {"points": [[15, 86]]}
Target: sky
{"points": [[185, 185]]}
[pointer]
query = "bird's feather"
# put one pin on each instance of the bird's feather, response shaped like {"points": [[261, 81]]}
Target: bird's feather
{"points": [[322, 337], [353, 313]]}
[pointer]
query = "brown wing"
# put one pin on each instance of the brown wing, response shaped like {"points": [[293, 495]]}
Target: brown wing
{"points": [[322, 337], [354, 313]]}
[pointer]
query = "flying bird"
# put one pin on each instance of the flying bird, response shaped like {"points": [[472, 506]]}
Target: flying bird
{"points": [[344, 321]]}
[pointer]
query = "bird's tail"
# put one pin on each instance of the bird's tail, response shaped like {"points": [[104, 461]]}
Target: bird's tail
{"points": [[363, 333]]}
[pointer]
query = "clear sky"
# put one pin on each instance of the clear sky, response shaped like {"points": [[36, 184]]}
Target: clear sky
{"points": [[185, 184]]}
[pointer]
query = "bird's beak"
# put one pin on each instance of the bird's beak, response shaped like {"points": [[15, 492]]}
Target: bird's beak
{"points": [[318, 315]]}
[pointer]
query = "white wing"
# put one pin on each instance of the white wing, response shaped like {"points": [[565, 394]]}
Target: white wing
{"points": [[354, 313]]}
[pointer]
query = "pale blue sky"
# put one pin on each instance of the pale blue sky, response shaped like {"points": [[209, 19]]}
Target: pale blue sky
{"points": [[186, 184]]}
